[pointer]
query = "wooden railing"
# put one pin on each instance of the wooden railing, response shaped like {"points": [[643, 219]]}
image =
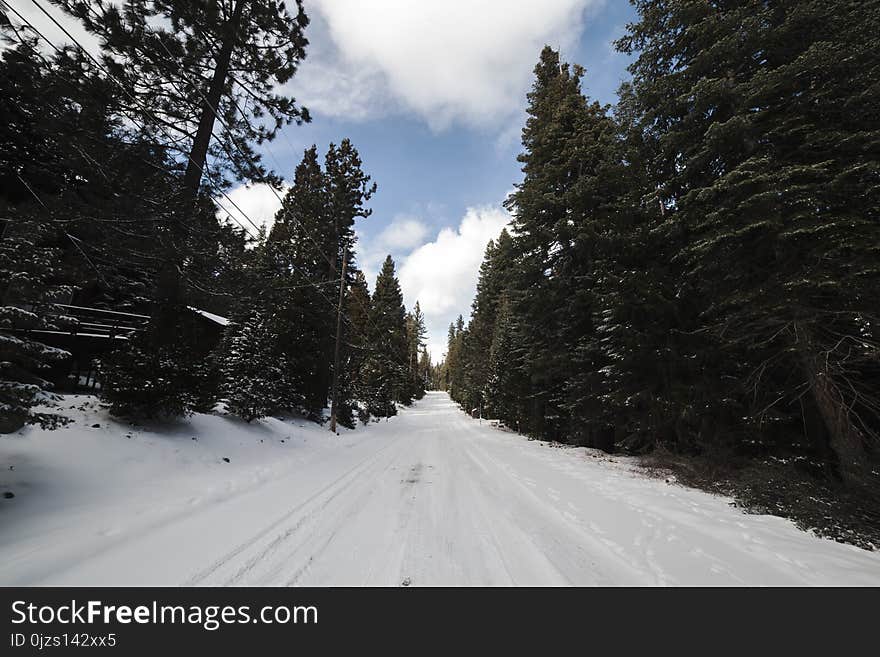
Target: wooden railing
{"points": [[92, 322]]}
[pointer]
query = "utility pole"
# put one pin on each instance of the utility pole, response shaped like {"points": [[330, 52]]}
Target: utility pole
{"points": [[335, 395]]}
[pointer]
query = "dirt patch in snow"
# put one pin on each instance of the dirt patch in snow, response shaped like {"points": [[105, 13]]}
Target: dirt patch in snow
{"points": [[815, 500]]}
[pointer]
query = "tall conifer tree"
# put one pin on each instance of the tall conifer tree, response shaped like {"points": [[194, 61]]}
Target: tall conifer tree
{"points": [[766, 153], [385, 371]]}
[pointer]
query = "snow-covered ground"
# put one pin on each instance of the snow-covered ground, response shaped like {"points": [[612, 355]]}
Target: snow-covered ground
{"points": [[431, 497]]}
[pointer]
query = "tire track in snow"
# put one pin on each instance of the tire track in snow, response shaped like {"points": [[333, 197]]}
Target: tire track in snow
{"points": [[616, 568], [321, 498]]}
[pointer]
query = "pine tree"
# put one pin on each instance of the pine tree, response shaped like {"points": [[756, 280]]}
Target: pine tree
{"points": [[183, 64], [298, 248], [765, 159], [385, 371], [635, 362], [64, 149], [593, 242], [67, 152], [425, 371], [347, 191], [456, 362], [180, 70], [558, 135], [258, 381], [415, 338], [147, 378], [492, 284], [291, 278], [504, 383], [30, 292], [354, 392], [313, 231]]}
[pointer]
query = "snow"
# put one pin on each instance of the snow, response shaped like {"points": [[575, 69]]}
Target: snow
{"points": [[217, 319], [80, 334], [430, 497]]}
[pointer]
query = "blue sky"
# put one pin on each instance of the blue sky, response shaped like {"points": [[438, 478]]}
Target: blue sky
{"points": [[436, 172], [433, 96], [436, 110]]}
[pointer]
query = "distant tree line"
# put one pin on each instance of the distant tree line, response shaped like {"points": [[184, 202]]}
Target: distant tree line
{"points": [[699, 269], [110, 168]]}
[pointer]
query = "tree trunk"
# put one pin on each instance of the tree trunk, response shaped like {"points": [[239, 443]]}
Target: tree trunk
{"points": [[199, 151], [168, 281], [844, 437]]}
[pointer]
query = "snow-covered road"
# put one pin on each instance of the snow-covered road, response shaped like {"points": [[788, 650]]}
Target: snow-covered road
{"points": [[431, 497]]}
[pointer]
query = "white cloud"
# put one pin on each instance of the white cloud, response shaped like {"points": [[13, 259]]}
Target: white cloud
{"points": [[351, 93], [442, 274], [332, 87], [455, 60], [402, 235], [259, 203]]}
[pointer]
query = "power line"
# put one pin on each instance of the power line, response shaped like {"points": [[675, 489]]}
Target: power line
{"points": [[201, 168], [136, 100], [243, 114], [225, 126], [149, 113], [55, 72]]}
